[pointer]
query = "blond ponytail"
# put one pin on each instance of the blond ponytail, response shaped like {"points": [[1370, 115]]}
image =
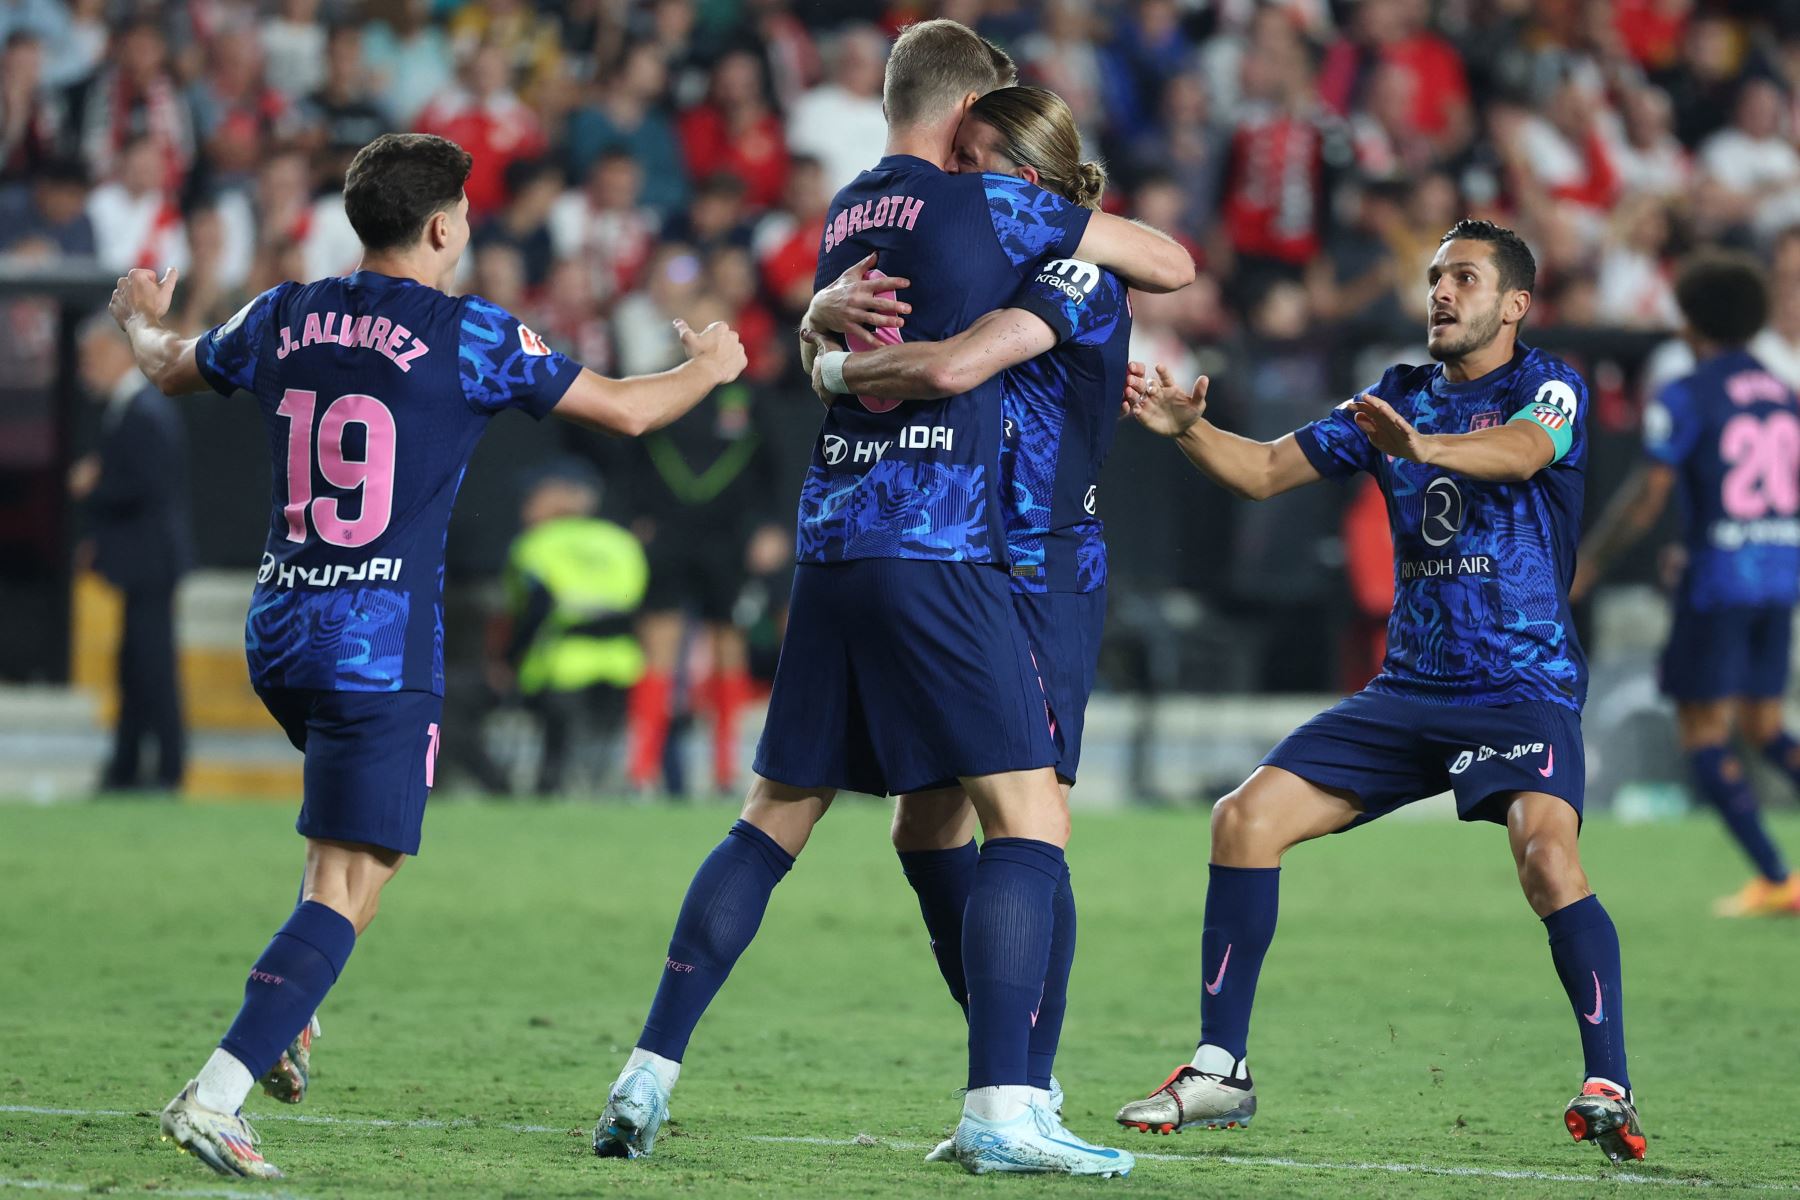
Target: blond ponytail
{"points": [[1037, 130]]}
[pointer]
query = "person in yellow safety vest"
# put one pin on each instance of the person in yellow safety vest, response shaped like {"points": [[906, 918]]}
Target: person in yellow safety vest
{"points": [[573, 586]]}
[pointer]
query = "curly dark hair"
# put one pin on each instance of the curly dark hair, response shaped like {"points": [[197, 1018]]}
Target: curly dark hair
{"points": [[397, 182], [1512, 257], [1723, 296]]}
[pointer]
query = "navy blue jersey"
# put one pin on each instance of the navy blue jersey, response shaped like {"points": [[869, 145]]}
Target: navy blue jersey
{"points": [[375, 391], [1732, 432], [920, 479], [1481, 570], [1061, 409]]}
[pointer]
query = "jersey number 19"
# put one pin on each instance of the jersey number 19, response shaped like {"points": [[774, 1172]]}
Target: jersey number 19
{"points": [[374, 473]]}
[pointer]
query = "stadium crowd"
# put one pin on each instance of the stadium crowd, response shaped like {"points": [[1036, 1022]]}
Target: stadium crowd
{"points": [[641, 159]]}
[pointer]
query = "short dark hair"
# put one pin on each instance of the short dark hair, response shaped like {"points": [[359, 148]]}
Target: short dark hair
{"points": [[398, 182], [1512, 257], [1723, 296]]}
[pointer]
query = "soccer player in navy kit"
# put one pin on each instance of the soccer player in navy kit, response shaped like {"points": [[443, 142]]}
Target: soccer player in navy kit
{"points": [[903, 666], [1727, 438], [1481, 458], [375, 388], [1062, 343]]}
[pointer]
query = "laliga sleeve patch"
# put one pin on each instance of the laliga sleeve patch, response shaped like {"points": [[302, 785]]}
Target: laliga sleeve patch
{"points": [[1553, 410], [531, 343]]}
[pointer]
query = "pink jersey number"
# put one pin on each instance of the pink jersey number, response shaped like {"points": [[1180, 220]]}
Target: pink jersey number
{"points": [[373, 473], [1762, 455]]}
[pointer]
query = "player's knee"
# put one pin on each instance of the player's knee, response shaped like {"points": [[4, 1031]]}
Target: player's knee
{"points": [[1550, 874], [1242, 827]]}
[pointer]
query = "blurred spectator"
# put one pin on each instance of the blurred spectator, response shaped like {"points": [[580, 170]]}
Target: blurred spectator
{"points": [[1778, 346], [536, 187], [840, 123], [1755, 164], [1274, 187], [134, 490], [486, 118], [1062, 56], [1148, 49], [1188, 148], [643, 322], [29, 125], [573, 586], [1703, 84], [735, 131], [718, 214], [133, 97], [410, 61], [73, 54], [49, 218], [342, 115], [523, 32], [604, 228], [786, 242], [731, 283], [629, 117], [500, 276], [1643, 146], [1564, 150], [571, 320], [1634, 288], [136, 222], [237, 114], [1410, 78], [293, 45]]}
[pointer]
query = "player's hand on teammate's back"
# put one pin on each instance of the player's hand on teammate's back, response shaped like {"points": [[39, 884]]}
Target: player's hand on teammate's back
{"points": [[854, 303], [1387, 430], [717, 346], [140, 293], [1163, 408]]}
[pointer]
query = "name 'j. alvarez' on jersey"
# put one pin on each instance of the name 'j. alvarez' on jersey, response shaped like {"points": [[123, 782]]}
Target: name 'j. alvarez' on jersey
{"points": [[1481, 570], [375, 391], [921, 479]]}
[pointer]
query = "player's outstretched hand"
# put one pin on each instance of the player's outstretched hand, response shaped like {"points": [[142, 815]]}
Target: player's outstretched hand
{"points": [[854, 303], [1164, 408], [1135, 386], [717, 346], [1387, 430], [140, 294]]}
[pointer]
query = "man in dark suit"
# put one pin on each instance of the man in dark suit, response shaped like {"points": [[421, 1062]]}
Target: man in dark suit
{"points": [[135, 490]]}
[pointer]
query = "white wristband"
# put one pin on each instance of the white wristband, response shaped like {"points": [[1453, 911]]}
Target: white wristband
{"points": [[831, 370]]}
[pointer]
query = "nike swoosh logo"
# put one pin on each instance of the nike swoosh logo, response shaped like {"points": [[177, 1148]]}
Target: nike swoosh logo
{"points": [[1212, 989], [1599, 1013], [1549, 767]]}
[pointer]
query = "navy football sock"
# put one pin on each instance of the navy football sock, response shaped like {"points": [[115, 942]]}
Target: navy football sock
{"points": [[1046, 1031], [1783, 753], [1241, 905], [1585, 948], [1722, 781], [285, 987], [1007, 931], [720, 915], [943, 879]]}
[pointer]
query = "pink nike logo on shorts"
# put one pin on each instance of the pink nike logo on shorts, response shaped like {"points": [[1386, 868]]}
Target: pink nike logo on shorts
{"points": [[1549, 767], [1212, 989]]}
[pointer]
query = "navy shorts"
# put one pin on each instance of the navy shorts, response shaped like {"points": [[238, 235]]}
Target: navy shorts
{"points": [[1064, 631], [1727, 652], [1388, 752], [370, 759], [899, 674]]}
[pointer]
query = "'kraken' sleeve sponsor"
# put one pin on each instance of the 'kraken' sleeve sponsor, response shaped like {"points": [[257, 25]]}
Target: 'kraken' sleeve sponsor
{"points": [[1481, 569], [1731, 431], [1061, 410], [503, 364], [228, 354]]}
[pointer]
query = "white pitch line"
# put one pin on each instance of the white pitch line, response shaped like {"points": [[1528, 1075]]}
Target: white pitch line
{"points": [[1239, 1160], [47, 1185]]}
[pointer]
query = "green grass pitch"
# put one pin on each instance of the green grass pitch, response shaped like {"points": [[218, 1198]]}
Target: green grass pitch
{"points": [[1411, 1038]]}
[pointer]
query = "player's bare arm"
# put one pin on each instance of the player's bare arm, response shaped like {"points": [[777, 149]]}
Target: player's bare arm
{"points": [[1510, 453], [1249, 469], [932, 370], [139, 303], [1144, 257], [1633, 512], [641, 403]]}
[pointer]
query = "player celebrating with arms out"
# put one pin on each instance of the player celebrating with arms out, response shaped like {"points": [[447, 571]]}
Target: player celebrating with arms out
{"points": [[375, 388], [1481, 458], [1728, 436]]}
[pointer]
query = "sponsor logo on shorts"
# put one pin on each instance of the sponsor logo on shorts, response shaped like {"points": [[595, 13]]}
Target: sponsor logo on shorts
{"points": [[1481, 754]]}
